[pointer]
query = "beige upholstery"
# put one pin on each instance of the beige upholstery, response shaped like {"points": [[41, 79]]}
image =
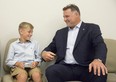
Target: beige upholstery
{"points": [[0, 79], [110, 62], [7, 77]]}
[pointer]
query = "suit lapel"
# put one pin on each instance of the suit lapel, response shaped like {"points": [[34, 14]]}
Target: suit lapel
{"points": [[82, 31], [65, 35]]}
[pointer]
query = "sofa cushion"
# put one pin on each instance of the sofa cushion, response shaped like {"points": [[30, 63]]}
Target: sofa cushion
{"points": [[111, 55], [7, 78], [111, 77], [6, 68]]}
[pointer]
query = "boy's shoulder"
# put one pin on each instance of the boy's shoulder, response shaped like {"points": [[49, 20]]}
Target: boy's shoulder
{"points": [[16, 41]]}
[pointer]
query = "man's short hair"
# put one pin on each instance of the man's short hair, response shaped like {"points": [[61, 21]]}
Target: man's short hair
{"points": [[73, 7]]}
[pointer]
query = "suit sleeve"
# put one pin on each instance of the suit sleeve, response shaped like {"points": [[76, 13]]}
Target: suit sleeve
{"points": [[98, 44]]}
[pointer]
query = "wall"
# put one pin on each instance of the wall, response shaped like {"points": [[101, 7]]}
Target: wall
{"points": [[46, 16]]}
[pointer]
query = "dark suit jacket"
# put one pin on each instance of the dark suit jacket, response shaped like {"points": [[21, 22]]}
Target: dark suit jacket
{"points": [[89, 44]]}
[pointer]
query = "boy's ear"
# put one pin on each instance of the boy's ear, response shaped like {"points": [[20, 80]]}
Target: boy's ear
{"points": [[20, 31]]}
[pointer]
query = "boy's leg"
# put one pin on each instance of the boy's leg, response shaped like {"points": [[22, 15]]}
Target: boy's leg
{"points": [[36, 74], [19, 74]]}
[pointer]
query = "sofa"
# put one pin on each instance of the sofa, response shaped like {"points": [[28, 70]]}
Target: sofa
{"points": [[110, 62]]}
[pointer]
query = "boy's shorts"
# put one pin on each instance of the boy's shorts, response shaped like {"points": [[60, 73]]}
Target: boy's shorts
{"points": [[28, 71]]}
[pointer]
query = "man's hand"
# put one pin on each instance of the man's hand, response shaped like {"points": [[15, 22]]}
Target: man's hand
{"points": [[98, 67], [20, 64], [48, 56]]}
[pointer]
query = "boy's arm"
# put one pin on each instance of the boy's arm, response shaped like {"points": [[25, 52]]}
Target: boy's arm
{"points": [[10, 61], [37, 54]]}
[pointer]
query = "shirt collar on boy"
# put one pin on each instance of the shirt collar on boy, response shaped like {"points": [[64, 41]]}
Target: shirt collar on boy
{"points": [[18, 41]]}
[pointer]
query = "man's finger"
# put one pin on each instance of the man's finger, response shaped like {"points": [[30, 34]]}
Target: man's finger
{"points": [[99, 71], [90, 67], [95, 70]]}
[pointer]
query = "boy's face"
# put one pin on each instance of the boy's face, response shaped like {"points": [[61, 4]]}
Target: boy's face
{"points": [[26, 33]]}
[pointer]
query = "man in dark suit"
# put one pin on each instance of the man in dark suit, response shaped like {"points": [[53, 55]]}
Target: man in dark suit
{"points": [[80, 51]]}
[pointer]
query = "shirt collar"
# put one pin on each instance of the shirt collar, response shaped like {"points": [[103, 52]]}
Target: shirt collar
{"points": [[78, 25], [18, 41]]}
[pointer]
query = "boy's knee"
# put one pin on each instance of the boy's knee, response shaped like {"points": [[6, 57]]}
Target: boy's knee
{"points": [[36, 74]]}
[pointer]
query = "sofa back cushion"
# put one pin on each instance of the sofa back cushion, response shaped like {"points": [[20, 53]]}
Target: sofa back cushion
{"points": [[6, 68], [111, 55]]}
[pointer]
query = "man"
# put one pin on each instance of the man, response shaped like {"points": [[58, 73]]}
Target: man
{"points": [[80, 50]]}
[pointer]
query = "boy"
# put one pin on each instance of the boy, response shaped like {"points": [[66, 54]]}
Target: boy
{"points": [[23, 56]]}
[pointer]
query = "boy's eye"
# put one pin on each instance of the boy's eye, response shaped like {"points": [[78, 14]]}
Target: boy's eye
{"points": [[30, 31]]}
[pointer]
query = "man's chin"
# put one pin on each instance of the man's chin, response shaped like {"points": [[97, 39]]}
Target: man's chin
{"points": [[71, 26]]}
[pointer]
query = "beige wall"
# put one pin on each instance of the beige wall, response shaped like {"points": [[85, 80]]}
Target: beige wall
{"points": [[46, 16]]}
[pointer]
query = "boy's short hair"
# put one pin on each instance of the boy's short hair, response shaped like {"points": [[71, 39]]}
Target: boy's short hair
{"points": [[25, 25]]}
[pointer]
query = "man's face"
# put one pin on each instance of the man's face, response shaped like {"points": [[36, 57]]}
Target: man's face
{"points": [[72, 18]]}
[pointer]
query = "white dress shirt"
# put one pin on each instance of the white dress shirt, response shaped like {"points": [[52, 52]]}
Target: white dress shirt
{"points": [[72, 35]]}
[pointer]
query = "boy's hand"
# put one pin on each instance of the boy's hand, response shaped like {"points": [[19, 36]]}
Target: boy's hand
{"points": [[20, 64], [34, 64]]}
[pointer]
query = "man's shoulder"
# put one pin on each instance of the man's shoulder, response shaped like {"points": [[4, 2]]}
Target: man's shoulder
{"points": [[63, 29], [90, 24]]}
